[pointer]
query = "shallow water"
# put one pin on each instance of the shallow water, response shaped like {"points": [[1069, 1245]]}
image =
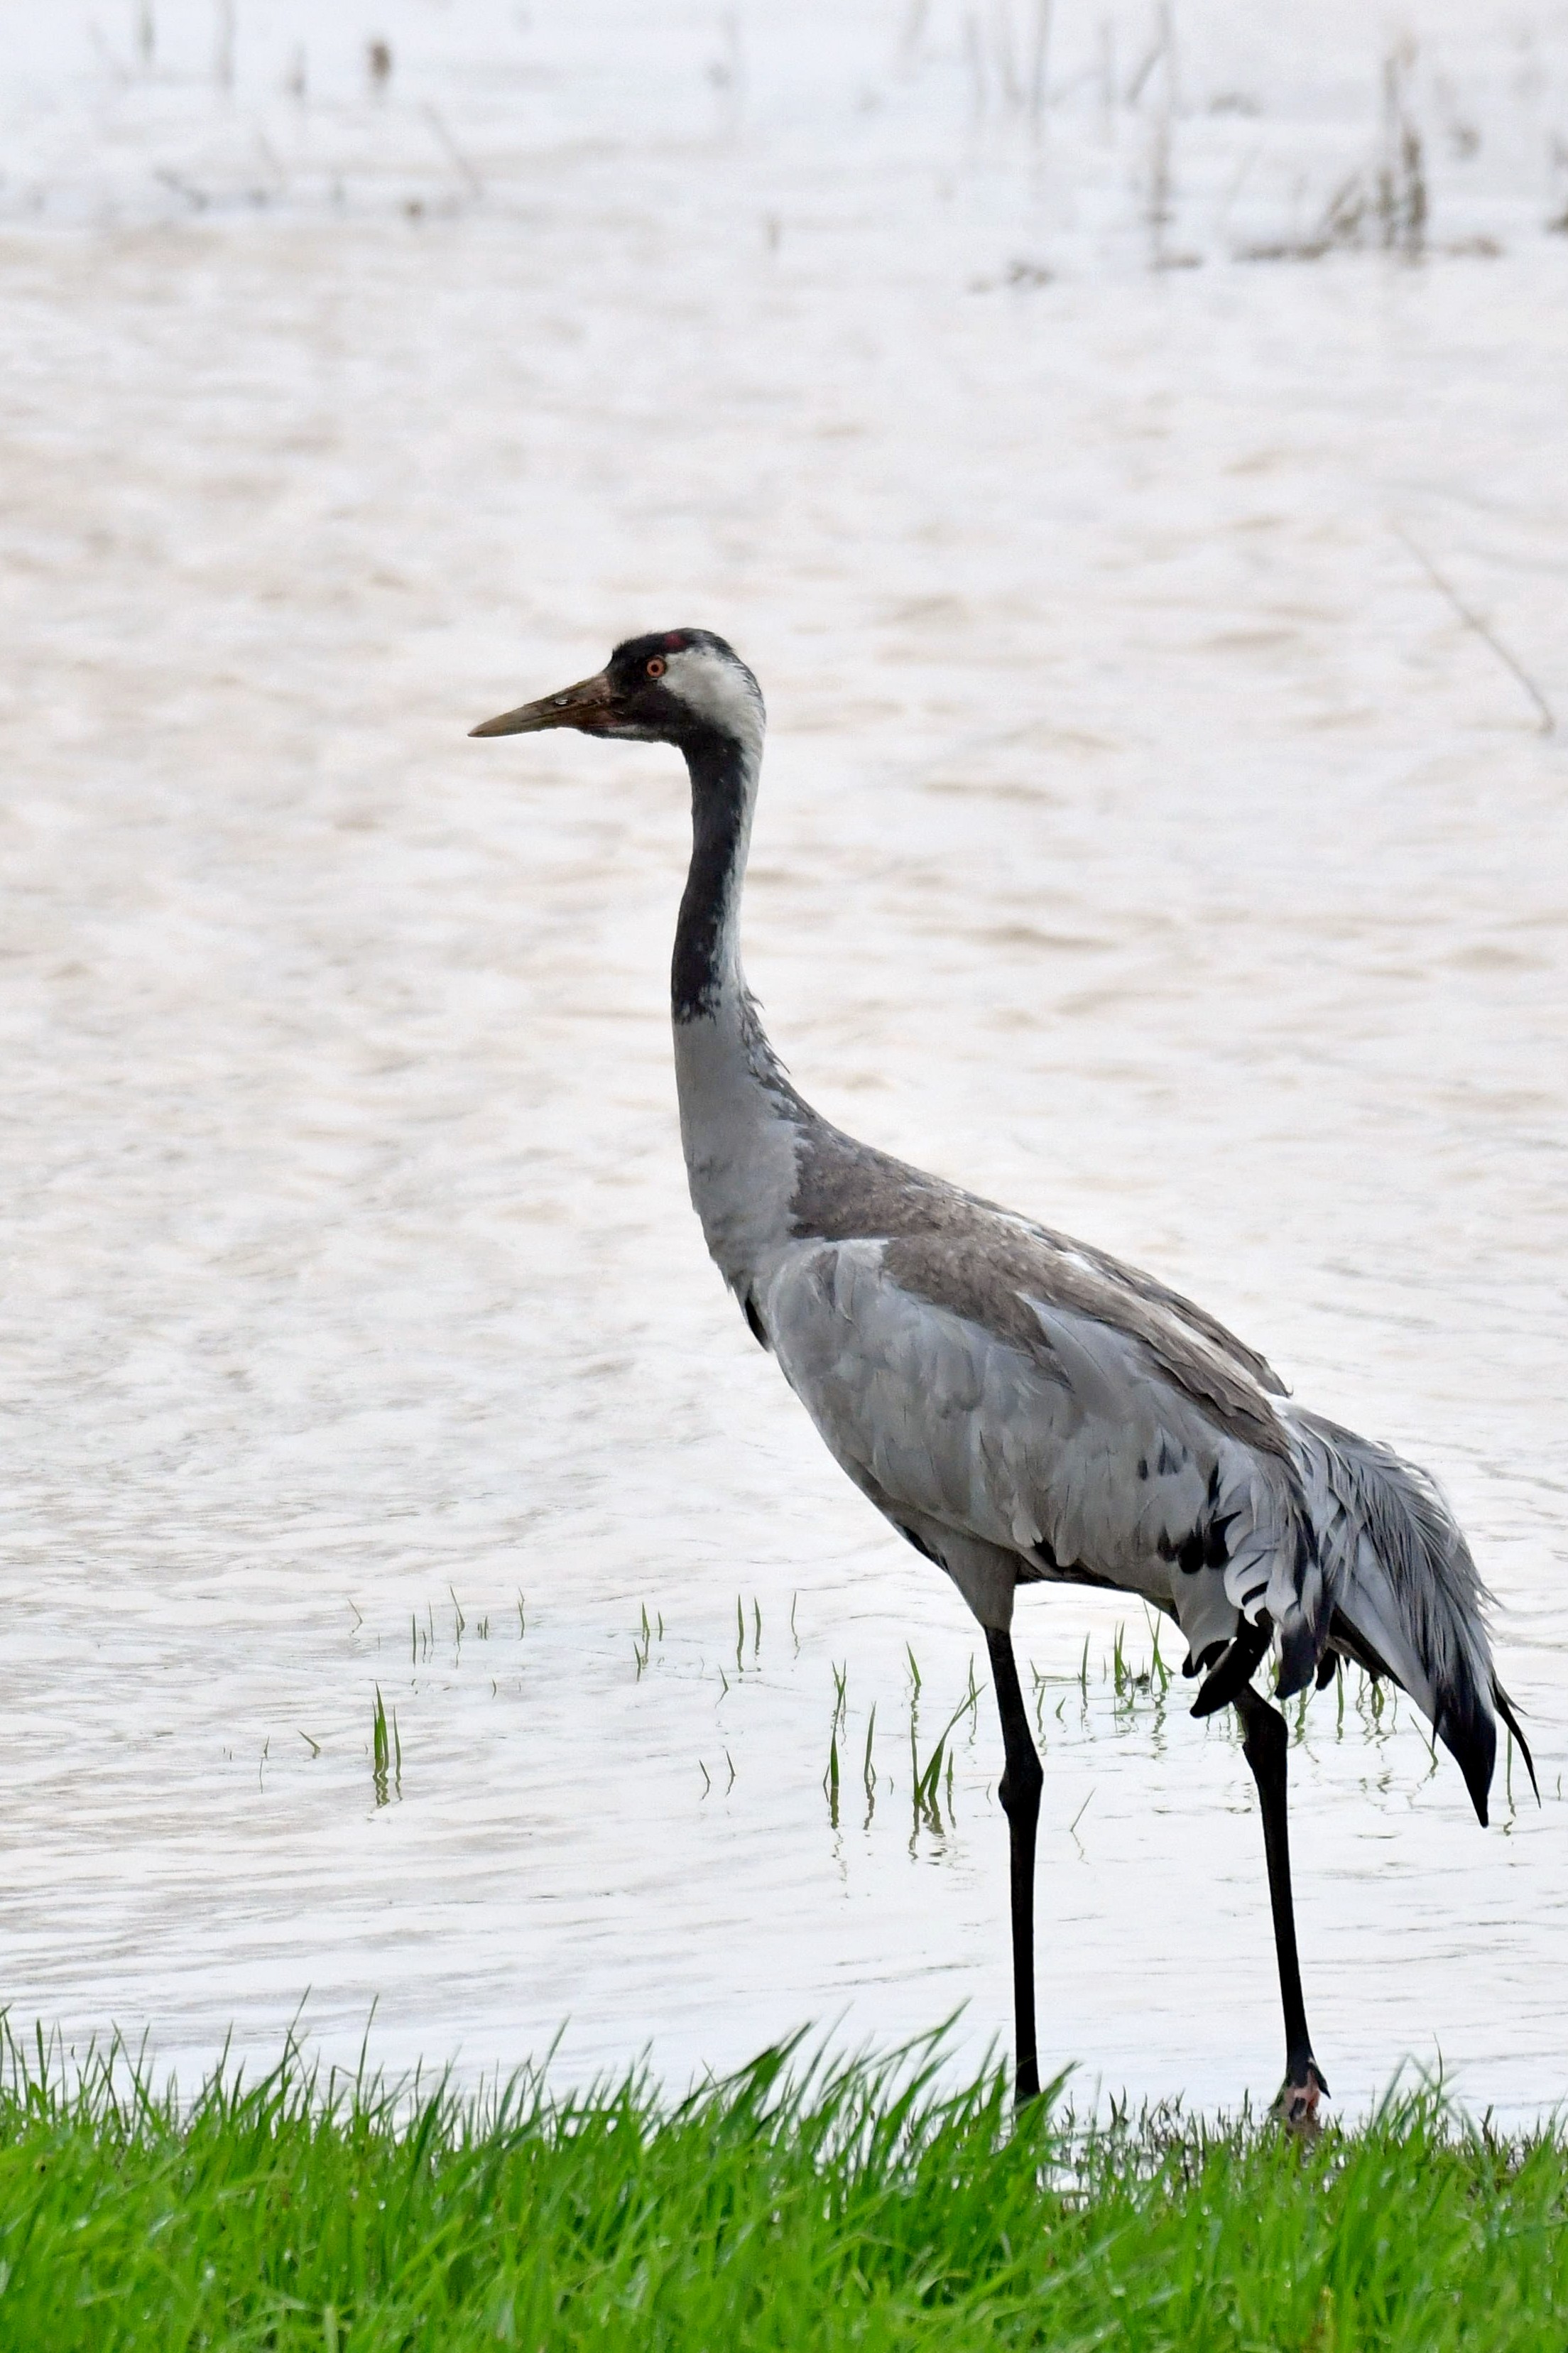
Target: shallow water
{"points": [[1144, 841]]}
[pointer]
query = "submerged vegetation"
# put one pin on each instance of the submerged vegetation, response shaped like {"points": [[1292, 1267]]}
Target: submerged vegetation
{"points": [[788, 2206]]}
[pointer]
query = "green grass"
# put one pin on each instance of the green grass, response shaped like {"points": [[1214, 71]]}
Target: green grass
{"points": [[850, 2206]]}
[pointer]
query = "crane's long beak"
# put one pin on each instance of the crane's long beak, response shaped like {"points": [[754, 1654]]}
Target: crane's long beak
{"points": [[587, 705]]}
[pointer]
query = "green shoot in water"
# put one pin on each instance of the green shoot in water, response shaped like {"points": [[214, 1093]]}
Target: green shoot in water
{"points": [[385, 1753], [840, 1716], [1159, 1673], [928, 1783]]}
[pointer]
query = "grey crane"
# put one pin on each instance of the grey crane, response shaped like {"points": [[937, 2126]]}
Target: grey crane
{"points": [[1022, 1407]]}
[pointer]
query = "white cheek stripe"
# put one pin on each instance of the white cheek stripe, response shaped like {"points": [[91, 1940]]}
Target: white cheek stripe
{"points": [[717, 691]]}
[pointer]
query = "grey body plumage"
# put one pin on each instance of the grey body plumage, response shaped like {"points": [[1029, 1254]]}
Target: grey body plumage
{"points": [[1021, 1407]]}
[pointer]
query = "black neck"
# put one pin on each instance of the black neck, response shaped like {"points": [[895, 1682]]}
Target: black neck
{"points": [[722, 787]]}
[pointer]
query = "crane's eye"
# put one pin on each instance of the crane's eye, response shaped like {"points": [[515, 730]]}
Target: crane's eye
{"points": [[655, 667]]}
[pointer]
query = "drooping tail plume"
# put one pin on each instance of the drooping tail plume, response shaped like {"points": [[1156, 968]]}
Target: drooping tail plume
{"points": [[1408, 1601]]}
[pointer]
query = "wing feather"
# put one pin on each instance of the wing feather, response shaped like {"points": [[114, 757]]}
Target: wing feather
{"points": [[1028, 1427], [847, 1191]]}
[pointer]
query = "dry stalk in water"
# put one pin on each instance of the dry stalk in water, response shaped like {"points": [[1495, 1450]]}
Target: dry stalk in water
{"points": [[1483, 630]]}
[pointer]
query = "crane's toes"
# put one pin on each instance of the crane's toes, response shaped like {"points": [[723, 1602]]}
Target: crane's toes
{"points": [[1296, 2107]]}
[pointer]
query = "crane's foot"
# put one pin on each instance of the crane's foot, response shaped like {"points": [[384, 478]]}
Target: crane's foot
{"points": [[1296, 2107]]}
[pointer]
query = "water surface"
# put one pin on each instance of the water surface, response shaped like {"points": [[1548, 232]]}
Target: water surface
{"points": [[1144, 841]]}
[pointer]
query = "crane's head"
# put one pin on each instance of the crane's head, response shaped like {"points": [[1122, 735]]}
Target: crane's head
{"points": [[675, 686]]}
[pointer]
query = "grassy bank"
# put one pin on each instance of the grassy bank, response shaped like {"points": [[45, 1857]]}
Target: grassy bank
{"points": [[859, 2209]]}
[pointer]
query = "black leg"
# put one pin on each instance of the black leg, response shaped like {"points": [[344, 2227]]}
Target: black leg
{"points": [[1019, 1790], [1263, 1742]]}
